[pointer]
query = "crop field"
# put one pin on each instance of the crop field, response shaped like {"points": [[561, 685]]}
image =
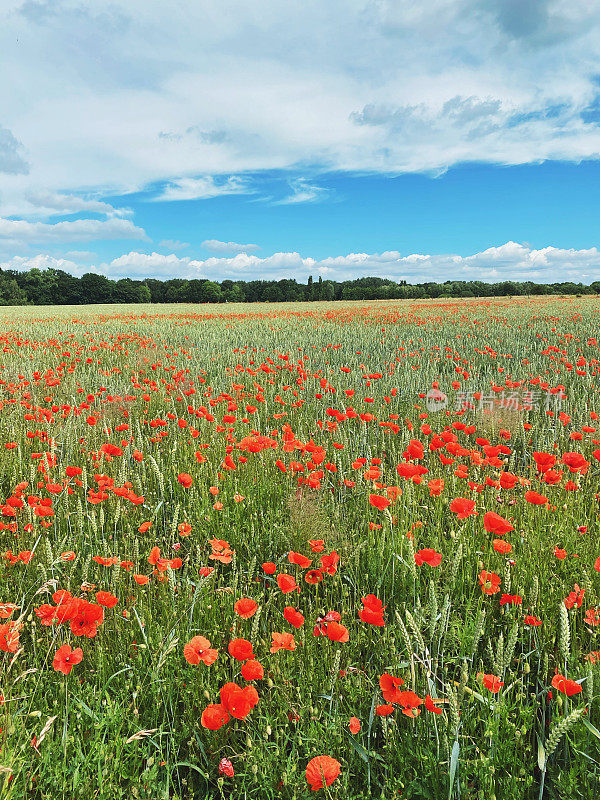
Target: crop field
{"points": [[346, 550]]}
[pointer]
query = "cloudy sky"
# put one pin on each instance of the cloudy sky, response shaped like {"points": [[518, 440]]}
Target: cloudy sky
{"points": [[251, 138]]}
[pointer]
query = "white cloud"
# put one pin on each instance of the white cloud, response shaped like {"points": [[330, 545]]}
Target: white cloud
{"points": [[173, 244], [304, 192], [53, 203], [228, 88], [19, 232], [228, 247], [203, 188], [510, 261]]}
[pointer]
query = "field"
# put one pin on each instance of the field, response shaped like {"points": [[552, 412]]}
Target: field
{"points": [[249, 550]]}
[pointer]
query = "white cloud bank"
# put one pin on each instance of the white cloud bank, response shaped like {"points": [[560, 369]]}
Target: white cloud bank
{"points": [[223, 88], [510, 261]]}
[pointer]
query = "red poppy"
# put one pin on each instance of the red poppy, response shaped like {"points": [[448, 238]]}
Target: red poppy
{"points": [[428, 556], [491, 682], [214, 717], [354, 725], [535, 498], [198, 649], [106, 599], [378, 501], [322, 771], [287, 583], [494, 523], [282, 641], [245, 607], [240, 649], [462, 507], [294, 617], [185, 479], [252, 670], [489, 582], [566, 685], [65, 658]]}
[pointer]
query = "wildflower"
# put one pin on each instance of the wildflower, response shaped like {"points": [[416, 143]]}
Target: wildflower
{"points": [[428, 556], [390, 687], [185, 479], [494, 523], [282, 641], [226, 768], [106, 599], [336, 632], [491, 682], [240, 649], [372, 611], [379, 502], [245, 607], [489, 582], [511, 599], [214, 717], [500, 546], [321, 771], [463, 507], [294, 617], [198, 649], [566, 685], [287, 583], [65, 658], [238, 702], [252, 670], [532, 621], [430, 705], [354, 725]]}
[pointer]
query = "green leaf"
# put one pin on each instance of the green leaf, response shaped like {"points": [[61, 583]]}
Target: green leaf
{"points": [[453, 766]]}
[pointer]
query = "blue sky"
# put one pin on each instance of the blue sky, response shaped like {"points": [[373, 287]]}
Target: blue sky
{"points": [[457, 139]]}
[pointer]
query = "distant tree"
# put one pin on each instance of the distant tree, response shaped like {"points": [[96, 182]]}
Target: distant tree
{"points": [[96, 288]]}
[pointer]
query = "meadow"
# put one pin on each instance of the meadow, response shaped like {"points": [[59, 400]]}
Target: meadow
{"points": [[343, 550]]}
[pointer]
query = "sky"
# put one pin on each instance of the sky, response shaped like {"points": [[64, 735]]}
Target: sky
{"points": [[244, 139]]}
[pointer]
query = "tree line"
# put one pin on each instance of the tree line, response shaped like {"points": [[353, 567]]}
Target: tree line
{"points": [[55, 287]]}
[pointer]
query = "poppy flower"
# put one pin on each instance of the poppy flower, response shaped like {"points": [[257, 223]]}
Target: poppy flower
{"points": [[489, 582], [436, 487], [269, 568], [240, 649], [198, 649], [511, 600], [379, 502], [390, 687], [287, 583], [314, 576], [494, 523], [491, 682], [500, 546], [141, 580], [252, 670], [336, 632], [294, 617], [282, 641], [214, 717], [65, 658], [463, 507], [372, 611], [566, 685], [297, 558], [535, 498], [384, 710], [354, 725], [106, 599], [245, 607], [430, 705], [532, 621], [9, 637], [185, 479], [428, 556], [226, 768], [238, 702], [317, 545], [321, 771]]}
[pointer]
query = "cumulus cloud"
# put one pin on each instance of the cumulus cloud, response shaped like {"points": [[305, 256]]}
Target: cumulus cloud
{"points": [[510, 261], [228, 247], [222, 91], [21, 231]]}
